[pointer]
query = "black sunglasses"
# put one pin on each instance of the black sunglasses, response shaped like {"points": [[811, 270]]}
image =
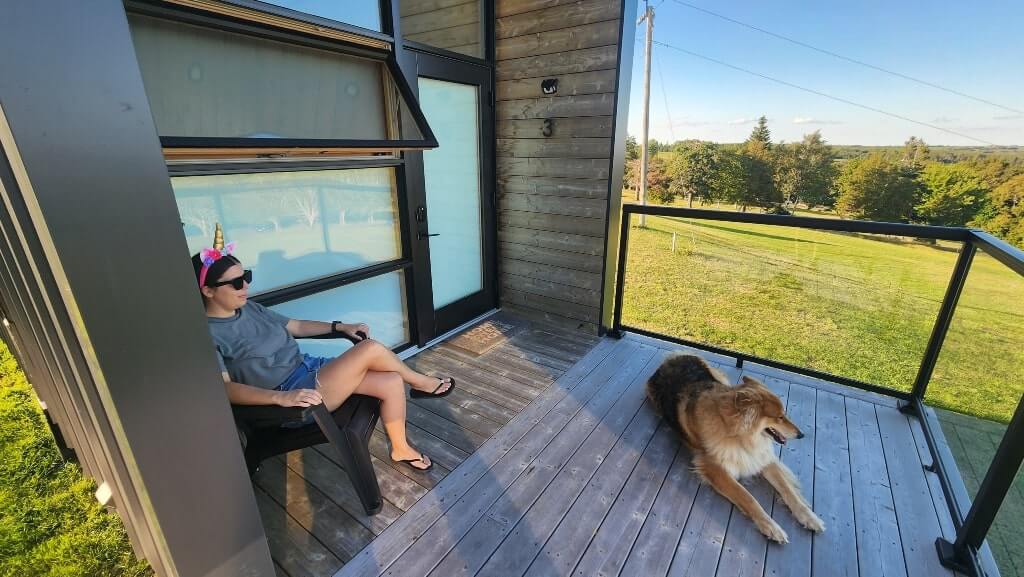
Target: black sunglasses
{"points": [[236, 283]]}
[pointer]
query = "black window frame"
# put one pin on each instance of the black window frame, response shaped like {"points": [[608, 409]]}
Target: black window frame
{"points": [[227, 23]]}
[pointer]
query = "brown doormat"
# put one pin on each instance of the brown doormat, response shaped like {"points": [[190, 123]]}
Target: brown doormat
{"points": [[485, 336]]}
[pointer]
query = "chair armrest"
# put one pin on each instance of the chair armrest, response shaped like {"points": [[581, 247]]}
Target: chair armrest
{"points": [[254, 417], [337, 335]]}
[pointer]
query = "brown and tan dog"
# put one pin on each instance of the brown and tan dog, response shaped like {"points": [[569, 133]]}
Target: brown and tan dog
{"points": [[730, 430]]}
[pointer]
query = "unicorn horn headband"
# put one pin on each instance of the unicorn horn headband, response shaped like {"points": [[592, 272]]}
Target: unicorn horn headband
{"points": [[212, 255]]}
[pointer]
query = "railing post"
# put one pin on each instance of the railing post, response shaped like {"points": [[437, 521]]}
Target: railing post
{"points": [[989, 499], [620, 279], [942, 322]]}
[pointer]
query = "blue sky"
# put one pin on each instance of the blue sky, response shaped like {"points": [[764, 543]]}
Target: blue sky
{"points": [[975, 48]]}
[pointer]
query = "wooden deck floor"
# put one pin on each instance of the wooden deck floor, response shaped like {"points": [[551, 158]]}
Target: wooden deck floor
{"points": [[586, 480], [312, 517]]}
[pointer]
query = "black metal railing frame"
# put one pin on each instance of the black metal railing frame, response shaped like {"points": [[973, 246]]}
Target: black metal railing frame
{"points": [[972, 525]]}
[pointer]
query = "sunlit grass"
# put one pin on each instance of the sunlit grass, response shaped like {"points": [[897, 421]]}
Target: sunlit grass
{"points": [[853, 305], [50, 522]]}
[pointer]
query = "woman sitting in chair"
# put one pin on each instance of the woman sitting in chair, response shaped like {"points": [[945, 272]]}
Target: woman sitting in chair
{"points": [[262, 365]]}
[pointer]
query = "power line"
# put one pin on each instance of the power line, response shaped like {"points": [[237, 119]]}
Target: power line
{"points": [[823, 94], [847, 58]]}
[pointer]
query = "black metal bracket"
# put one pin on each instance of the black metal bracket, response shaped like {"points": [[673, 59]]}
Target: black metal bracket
{"points": [[949, 558], [908, 408]]}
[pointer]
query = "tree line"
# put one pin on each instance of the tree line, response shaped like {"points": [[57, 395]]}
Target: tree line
{"points": [[907, 184]]}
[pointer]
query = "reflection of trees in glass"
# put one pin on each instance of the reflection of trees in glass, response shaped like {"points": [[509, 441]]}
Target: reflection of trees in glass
{"points": [[200, 213], [271, 202]]}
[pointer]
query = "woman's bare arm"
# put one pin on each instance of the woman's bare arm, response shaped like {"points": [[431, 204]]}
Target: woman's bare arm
{"points": [[242, 394], [299, 329]]}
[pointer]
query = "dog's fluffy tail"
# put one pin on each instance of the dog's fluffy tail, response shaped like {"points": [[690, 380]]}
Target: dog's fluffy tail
{"points": [[678, 379]]}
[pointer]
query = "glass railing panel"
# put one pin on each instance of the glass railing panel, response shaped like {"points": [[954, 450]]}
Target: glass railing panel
{"points": [[854, 305], [976, 385]]}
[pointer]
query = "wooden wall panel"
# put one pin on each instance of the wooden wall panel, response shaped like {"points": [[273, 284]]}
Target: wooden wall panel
{"points": [[552, 65], [553, 189], [558, 17], [598, 82], [450, 24], [554, 186], [592, 127], [557, 41]]}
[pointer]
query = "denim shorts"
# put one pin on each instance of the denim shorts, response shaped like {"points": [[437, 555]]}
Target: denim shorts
{"points": [[303, 377]]}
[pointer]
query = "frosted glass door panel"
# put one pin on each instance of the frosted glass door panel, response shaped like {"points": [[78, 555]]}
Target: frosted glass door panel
{"points": [[452, 175]]}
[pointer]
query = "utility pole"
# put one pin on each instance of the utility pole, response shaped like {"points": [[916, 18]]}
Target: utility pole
{"points": [[649, 17]]}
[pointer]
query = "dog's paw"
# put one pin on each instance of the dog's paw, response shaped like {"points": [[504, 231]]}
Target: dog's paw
{"points": [[770, 529], [811, 521]]}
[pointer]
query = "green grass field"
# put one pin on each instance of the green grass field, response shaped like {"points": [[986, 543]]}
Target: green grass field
{"points": [[851, 305], [50, 522]]}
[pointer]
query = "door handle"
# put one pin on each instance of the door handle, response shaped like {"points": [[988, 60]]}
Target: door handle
{"points": [[422, 235]]}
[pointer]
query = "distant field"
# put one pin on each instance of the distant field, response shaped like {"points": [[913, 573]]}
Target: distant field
{"points": [[852, 305]]}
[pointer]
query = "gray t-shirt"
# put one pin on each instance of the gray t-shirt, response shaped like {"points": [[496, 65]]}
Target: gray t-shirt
{"points": [[254, 347]]}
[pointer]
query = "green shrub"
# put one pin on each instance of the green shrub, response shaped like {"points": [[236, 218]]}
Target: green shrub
{"points": [[50, 521]]}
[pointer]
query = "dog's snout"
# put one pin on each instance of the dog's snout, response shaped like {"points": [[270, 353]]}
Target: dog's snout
{"points": [[799, 434]]}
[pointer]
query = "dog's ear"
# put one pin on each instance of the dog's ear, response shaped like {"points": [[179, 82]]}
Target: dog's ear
{"points": [[747, 401], [752, 382]]}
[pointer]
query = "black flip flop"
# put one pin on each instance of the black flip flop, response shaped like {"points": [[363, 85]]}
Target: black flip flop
{"points": [[409, 463], [418, 394]]}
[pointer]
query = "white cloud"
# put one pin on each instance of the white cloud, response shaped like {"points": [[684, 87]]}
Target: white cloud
{"points": [[944, 120], [743, 121], [807, 120], [1009, 117]]}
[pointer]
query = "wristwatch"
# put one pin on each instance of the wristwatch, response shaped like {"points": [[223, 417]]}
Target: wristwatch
{"points": [[334, 326]]}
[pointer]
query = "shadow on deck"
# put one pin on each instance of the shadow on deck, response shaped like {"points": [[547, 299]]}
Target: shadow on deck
{"points": [[558, 467]]}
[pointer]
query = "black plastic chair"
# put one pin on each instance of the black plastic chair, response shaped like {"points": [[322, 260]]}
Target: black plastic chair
{"points": [[347, 429]]}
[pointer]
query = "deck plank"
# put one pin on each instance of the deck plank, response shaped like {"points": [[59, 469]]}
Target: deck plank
{"points": [[465, 399], [700, 546], [471, 384], [383, 551], [512, 349], [332, 481], [879, 549], [292, 547], [654, 547], [918, 519], [528, 374], [443, 428], [398, 488], [453, 411], [571, 526], [794, 558], [314, 511], [744, 548], [610, 547], [835, 551], [594, 396], [470, 373], [380, 449], [559, 472]]}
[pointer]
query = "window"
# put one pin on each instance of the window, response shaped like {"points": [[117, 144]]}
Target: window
{"points": [[287, 133], [297, 226], [211, 88], [378, 302], [364, 13]]}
